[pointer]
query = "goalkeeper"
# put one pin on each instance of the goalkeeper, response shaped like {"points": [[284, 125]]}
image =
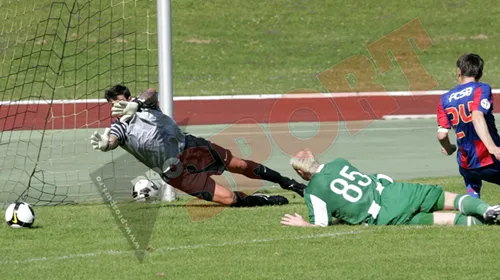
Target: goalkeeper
{"points": [[184, 161], [339, 190]]}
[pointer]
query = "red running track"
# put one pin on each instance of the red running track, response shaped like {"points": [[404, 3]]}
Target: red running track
{"points": [[203, 112]]}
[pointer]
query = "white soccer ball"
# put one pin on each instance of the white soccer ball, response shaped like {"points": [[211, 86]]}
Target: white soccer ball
{"points": [[19, 215], [144, 190]]}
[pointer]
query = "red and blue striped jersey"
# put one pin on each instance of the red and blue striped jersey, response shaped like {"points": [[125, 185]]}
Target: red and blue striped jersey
{"points": [[455, 111]]}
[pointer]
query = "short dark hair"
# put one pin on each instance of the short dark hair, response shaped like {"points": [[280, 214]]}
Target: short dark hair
{"points": [[113, 93], [471, 65]]}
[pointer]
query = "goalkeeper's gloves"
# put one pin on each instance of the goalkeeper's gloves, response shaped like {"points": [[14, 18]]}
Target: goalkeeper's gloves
{"points": [[124, 109], [100, 141]]}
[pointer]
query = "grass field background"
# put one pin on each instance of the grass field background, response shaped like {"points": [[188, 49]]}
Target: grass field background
{"points": [[84, 242], [76, 49]]}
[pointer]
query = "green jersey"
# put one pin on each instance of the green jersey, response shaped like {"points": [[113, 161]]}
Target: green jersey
{"points": [[339, 190]]}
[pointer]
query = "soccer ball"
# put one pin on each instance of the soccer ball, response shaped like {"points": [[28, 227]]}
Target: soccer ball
{"points": [[144, 190], [19, 215]]}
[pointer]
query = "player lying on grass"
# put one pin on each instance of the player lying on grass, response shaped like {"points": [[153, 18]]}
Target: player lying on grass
{"points": [[339, 190], [184, 161], [468, 109]]}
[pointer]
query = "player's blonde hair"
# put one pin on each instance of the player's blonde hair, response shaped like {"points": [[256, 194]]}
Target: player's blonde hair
{"points": [[305, 161]]}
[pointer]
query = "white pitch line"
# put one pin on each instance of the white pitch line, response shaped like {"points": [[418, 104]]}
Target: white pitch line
{"points": [[311, 236], [249, 97], [182, 247]]}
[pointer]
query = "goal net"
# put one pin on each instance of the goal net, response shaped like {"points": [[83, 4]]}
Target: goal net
{"points": [[56, 60]]}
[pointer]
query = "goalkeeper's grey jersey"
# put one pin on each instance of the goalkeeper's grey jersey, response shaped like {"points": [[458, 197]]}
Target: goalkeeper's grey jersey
{"points": [[151, 137]]}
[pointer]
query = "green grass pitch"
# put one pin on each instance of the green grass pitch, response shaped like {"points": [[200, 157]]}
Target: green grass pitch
{"points": [[84, 242], [237, 47]]}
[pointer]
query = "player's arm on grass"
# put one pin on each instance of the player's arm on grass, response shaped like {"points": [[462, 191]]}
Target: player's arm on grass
{"points": [[319, 215], [481, 106], [443, 130]]}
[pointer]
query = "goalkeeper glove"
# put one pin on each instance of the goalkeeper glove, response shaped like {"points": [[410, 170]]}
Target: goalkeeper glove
{"points": [[100, 141], [124, 109]]}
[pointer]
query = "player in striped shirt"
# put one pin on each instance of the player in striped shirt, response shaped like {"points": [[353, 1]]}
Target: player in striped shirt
{"points": [[338, 190], [468, 109], [184, 161]]}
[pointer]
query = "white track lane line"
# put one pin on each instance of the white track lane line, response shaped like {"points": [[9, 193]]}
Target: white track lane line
{"points": [[250, 97]]}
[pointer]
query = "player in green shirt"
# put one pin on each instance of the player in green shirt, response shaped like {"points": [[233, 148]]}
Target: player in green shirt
{"points": [[339, 190]]}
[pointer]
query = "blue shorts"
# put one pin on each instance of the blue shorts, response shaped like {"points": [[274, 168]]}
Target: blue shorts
{"points": [[473, 177]]}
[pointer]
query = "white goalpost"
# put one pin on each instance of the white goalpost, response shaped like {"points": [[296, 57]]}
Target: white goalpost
{"points": [[165, 77], [165, 57], [56, 59]]}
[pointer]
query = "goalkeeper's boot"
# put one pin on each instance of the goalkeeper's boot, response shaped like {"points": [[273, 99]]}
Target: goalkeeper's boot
{"points": [[257, 199], [270, 199], [292, 185], [491, 214]]}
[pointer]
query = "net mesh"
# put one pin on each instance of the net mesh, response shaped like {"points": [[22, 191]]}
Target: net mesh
{"points": [[56, 60]]}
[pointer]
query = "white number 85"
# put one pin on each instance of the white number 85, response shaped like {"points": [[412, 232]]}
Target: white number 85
{"points": [[346, 186]]}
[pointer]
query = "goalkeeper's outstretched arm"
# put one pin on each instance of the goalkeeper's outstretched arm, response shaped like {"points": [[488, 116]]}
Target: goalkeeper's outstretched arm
{"points": [[104, 142], [110, 139], [114, 142]]}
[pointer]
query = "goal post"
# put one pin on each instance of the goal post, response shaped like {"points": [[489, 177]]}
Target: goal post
{"points": [[165, 76], [56, 59]]}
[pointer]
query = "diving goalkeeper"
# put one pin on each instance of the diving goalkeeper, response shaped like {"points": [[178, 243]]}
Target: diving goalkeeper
{"points": [[184, 161], [339, 190]]}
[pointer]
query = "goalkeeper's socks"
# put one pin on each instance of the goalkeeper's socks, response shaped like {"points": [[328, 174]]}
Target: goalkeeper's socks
{"points": [[469, 205], [462, 220], [284, 182], [268, 174]]}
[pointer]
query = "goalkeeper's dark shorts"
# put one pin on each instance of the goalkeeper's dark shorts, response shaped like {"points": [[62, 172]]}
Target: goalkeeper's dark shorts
{"points": [[200, 160]]}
